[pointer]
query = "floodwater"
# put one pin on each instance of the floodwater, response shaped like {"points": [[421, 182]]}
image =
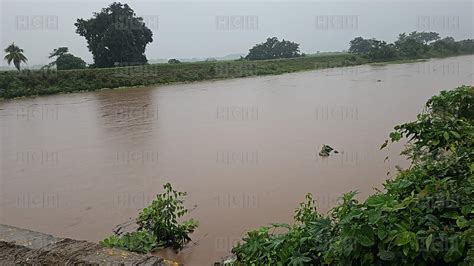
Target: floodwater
{"points": [[245, 150]]}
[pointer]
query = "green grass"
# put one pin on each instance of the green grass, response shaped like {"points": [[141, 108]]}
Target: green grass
{"points": [[37, 82]]}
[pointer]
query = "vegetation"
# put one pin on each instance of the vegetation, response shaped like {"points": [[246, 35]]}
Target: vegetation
{"points": [[409, 46], [158, 226], [15, 54], [424, 216], [173, 61], [64, 60], [274, 49], [28, 83], [115, 36], [47, 81]]}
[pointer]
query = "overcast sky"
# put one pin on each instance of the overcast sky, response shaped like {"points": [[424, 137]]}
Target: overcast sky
{"points": [[187, 29]]}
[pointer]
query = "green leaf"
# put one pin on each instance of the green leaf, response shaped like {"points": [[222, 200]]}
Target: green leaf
{"points": [[446, 136], [365, 236], [455, 134], [428, 241], [382, 233], [386, 255], [461, 222], [403, 238]]}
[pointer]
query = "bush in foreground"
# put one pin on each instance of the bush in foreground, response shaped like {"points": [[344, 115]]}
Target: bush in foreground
{"points": [[157, 225], [424, 216]]}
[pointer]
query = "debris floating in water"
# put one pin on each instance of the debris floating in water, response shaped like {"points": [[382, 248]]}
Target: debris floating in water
{"points": [[326, 150]]}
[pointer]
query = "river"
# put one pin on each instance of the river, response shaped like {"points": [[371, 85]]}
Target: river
{"points": [[246, 150]]}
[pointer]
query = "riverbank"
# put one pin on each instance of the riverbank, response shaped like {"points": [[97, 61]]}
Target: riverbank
{"points": [[21, 246], [44, 82]]}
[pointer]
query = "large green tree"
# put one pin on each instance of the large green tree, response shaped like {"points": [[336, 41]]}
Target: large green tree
{"points": [[273, 48], [15, 54], [115, 36], [360, 45]]}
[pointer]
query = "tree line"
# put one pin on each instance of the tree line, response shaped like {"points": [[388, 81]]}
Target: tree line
{"points": [[412, 45], [116, 37]]}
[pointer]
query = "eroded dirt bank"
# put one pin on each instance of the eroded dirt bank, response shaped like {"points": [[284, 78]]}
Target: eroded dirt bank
{"points": [[25, 247]]}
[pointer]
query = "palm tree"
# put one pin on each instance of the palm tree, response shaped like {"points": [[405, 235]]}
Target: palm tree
{"points": [[15, 54]]}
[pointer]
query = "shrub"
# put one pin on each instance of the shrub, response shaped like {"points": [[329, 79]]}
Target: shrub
{"points": [[158, 226], [424, 216]]}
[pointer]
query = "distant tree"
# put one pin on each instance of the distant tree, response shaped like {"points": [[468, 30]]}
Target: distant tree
{"points": [[424, 37], [173, 61], [360, 45], [272, 49], [116, 36], [409, 46], [466, 46], [15, 54], [58, 52], [64, 60], [380, 50], [69, 61], [446, 44]]}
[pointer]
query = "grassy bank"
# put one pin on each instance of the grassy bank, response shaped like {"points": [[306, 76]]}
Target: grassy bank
{"points": [[29, 83]]}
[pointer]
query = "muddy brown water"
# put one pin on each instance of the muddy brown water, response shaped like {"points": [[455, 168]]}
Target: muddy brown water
{"points": [[245, 150]]}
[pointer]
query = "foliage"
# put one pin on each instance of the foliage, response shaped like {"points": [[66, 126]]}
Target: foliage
{"points": [[410, 46], [64, 60], [15, 54], [380, 50], [173, 61], [273, 49], [446, 44], [466, 46], [48, 81], [360, 45], [58, 52], [115, 36], [423, 217], [158, 225], [423, 37], [69, 61], [302, 242]]}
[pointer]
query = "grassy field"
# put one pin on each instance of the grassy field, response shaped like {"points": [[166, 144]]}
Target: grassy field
{"points": [[43, 82], [28, 83]]}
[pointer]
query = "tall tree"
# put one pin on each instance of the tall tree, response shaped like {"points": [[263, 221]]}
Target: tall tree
{"points": [[273, 48], [15, 54], [424, 37], [116, 36], [360, 45]]}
